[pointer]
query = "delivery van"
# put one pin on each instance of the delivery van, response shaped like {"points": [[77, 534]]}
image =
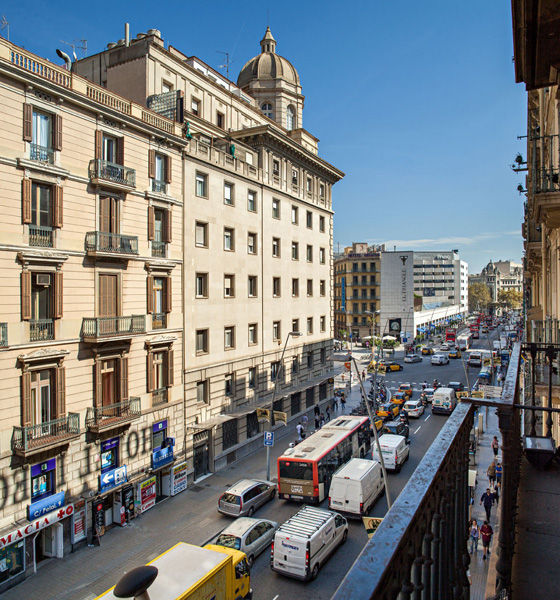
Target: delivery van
{"points": [[305, 541], [355, 487], [395, 451], [475, 359], [444, 401]]}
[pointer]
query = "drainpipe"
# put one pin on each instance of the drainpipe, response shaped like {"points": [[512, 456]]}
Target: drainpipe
{"points": [[126, 35], [66, 59]]}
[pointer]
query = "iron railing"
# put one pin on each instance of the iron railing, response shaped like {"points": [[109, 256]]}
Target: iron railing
{"points": [[159, 186], [41, 330], [41, 153], [108, 171], [159, 321], [32, 437], [41, 236], [159, 397], [3, 335], [104, 417], [543, 332], [159, 249], [99, 327], [101, 241]]}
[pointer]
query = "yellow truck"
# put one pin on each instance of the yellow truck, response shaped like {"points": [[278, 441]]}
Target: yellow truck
{"points": [[187, 572]]}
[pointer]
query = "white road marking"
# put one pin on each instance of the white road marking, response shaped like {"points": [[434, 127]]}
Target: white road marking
{"points": [[275, 597], [427, 417], [419, 428]]}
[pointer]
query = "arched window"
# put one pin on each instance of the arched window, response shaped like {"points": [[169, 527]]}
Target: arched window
{"points": [[267, 110], [290, 118]]}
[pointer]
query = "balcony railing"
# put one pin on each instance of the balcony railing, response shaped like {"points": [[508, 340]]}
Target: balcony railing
{"points": [[159, 186], [159, 249], [3, 335], [159, 321], [107, 171], [41, 330], [159, 397], [546, 180], [100, 327], [543, 332], [50, 433], [41, 237], [114, 243], [100, 418], [41, 153]]}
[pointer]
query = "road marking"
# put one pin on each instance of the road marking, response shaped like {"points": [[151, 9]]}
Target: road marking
{"points": [[275, 597], [419, 428], [427, 417]]}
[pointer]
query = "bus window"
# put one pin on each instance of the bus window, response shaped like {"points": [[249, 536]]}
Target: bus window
{"points": [[296, 470]]}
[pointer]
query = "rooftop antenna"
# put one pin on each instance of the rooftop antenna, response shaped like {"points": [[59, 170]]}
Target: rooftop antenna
{"points": [[226, 64], [74, 44], [5, 25]]}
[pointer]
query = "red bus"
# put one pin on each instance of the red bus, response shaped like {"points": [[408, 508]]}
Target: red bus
{"points": [[305, 471], [450, 335], [475, 332]]}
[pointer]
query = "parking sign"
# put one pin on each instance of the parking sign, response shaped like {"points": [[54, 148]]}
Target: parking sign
{"points": [[269, 438]]}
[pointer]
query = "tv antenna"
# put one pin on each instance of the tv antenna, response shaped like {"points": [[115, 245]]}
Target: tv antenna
{"points": [[226, 64], [5, 25], [82, 45]]}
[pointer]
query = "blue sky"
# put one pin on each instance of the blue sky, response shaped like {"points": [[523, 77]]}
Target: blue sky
{"points": [[415, 101]]}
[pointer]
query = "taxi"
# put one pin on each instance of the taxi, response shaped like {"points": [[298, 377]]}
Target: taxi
{"points": [[389, 410], [391, 366], [427, 350], [378, 423], [455, 353], [406, 388], [399, 398]]}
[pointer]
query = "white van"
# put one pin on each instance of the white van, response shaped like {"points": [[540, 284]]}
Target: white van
{"points": [[444, 401], [475, 359], [305, 541], [355, 487], [395, 451]]}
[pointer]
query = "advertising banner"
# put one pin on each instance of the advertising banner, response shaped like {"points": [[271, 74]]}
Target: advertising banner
{"points": [[147, 494], [179, 478], [79, 522]]}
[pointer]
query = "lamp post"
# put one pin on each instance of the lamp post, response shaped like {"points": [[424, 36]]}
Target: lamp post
{"points": [[373, 314], [290, 334]]}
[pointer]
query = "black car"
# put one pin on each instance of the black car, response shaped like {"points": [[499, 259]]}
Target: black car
{"points": [[396, 428], [456, 385]]}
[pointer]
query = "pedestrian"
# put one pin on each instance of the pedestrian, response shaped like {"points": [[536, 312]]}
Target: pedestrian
{"points": [[305, 422], [491, 472], [495, 446], [343, 403], [486, 533], [328, 413], [335, 403], [321, 420], [499, 471], [474, 533], [488, 500], [424, 385], [317, 410], [316, 423], [299, 429], [364, 374]]}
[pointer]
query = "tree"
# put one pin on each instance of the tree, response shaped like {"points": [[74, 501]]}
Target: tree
{"points": [[479, 297], [511, 298]]}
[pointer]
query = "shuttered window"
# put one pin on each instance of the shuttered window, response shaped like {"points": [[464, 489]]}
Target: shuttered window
{"points": [[108, 215], [57, 132], [111, 381], [28, 122], [158, 294], [58, 296], [108, 295], [26, 295], [160, 369]]}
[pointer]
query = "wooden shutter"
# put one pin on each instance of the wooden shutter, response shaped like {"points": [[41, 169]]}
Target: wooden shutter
{"points": [[108, 295], [58, 296], [150, 370], [98, 144], [168, 291], [151, 223], [108, 215], [170, 365], [57, 206], [98, 384], [25, 295], [28, 122], [168, 167], [167, 226], [152, 164], [120, 151], [57, 132], [60, 387], [150, 294], [123, 364], [26, 413], [26, 192]]}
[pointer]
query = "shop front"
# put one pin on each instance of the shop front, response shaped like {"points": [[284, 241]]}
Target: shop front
{"points": [[112, 504], [162, 460]]}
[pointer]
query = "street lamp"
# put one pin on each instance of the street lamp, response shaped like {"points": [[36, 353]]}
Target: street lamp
{"points": [[373, 314], [290, 334]]}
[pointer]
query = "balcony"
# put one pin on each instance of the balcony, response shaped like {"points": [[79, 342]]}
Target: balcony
{"points": [[37, 438], [160, 187], [3, 335], [103, 328], [108, 174], [159, 397], [159, 321], [41, 330], [159, 249], [546, 197], [41, 237], [41, 154], [103, 418], [101, 243]]}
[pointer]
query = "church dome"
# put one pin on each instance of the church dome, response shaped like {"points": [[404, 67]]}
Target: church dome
{"points": [[268, 65]]}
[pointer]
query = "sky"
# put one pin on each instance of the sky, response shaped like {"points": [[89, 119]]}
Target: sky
{"points": [[416, 102]]}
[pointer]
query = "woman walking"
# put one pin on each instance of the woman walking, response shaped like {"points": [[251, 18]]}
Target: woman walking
{"points": [[495, 446], [474, 533]]}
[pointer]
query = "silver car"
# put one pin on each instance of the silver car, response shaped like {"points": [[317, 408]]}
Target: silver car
{"points": [[412, 358], [244, 497], [251, 536]]}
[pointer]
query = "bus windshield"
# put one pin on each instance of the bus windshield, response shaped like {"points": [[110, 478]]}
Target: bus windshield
{"points": [[296, 470]]}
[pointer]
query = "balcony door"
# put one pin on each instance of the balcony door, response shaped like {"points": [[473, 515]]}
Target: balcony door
{"points": [[108, 304], [42, 404], [109, 389]]}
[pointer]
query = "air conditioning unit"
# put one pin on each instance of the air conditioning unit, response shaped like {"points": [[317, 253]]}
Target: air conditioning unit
{"points": [[43, 279]]}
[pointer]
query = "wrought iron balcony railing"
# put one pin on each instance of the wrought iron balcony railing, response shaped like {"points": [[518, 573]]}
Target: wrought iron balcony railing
{"points": [[41, 237], [159, 321], [41, 153], [3, 335], [100, 327], [159, 186], [159, 249], [107, 171], [543, 332], [113, 415], [50, 433], [159, 397], [41, 329], [546, 180], [101, 241]]}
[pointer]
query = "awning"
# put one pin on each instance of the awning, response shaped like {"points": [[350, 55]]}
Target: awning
{"points": [[212, 422]]}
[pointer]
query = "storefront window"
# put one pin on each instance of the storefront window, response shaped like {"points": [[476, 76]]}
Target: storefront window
{"points": [[159, 433], [12, 560], [43, 480], [109, 455]]}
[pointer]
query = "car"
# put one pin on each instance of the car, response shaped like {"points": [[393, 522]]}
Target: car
{"points": [[427, 350], [444, 347], [406, 388], [392, 366], [414, 408], [388, 410], [396, 428], [427, 394], [412, 358], [248, 535], [456, 385], [399, 398], [439, 359], [484, 330], [455, 354], [243, 498]]}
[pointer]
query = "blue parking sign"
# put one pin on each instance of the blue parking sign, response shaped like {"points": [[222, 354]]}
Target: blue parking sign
{"points": [[269, 438]]}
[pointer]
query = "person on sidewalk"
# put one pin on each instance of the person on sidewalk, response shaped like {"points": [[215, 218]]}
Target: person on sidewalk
{"points": [[474, 533], [497, 488], [316, 423], [343, 403], [328, 413], [495, 445], [499, 471], [488, 500], [305, 423], [317, 410], [491, 472], [299, 429], [486, 533], [321, 420]]}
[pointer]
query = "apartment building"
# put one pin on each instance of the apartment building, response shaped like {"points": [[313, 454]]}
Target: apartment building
{"points": [[155, 265], [500, 275]]}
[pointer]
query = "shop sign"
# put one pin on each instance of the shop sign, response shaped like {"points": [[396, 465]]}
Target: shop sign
{"points": [[79, 522], [112, 478], [162, 456], [147, 494], [37, 525], [179, 481], [44, 506]]}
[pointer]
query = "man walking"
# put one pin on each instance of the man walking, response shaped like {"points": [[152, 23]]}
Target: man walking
{"points": [[491, 472], [486, 533], [299, 429], [488, 500]]}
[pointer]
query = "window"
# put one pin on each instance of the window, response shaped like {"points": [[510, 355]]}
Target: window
{"points": [[267, 110], [295, 251], [43, 479], [309, 219], [323, 356], [309, 186], [294, 177], [252, 286], [276, 331], [159, 171], [229, 385], [202, 391], [159, 296], [195, 106], [295, 325], [322, 287], [290, 118], [309, 253], [276, 287], [202, 285], [229, 239], [252, 201], [44, 132], [310, 287], [310, 359], [276, 247], [201, 185], [295, 288], [220, 120], [201, 234], [321, 190], [274, 370], [108, 216], [41, 205], [229, 338], [202, 341], [159, 230], [252, 377], [252, 243], [275, 166], [322, 224], [228, 193], [295, 365], [253, 334], [295, 215], [229, 286], [322, 324], [309, 325], [275, 209], [158, 372], [322, 256]]}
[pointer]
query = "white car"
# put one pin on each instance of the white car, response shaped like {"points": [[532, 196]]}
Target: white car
{"points": [[414, 408], [412, 358], [439, 359], [444, 347], [251, 536]]}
